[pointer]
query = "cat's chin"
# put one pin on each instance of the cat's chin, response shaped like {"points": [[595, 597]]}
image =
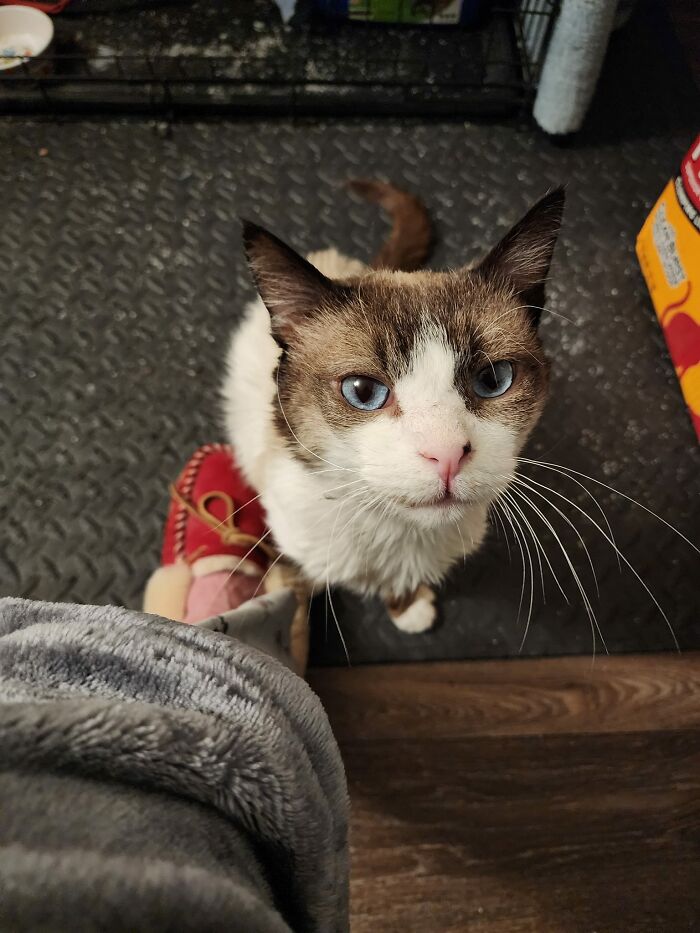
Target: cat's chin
{"points": [[433, 513]]}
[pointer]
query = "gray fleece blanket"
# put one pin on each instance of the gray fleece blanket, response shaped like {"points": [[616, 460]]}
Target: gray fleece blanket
{"points": [[158, 776]]}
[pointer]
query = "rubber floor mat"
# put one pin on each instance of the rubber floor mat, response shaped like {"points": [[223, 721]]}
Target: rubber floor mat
{"points": [[122, 276]]}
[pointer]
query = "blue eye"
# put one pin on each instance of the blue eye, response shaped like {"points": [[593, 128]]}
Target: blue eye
{"points": [[364, 393], [493, 381]]}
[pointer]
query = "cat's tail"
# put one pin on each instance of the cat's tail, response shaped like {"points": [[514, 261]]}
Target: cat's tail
{"points": [[411, 238]]}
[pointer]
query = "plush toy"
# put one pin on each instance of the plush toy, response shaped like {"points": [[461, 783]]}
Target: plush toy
{"points": [[217, 552]]}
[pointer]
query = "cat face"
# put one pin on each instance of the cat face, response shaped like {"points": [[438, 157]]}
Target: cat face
{"points": [[423, 385]]}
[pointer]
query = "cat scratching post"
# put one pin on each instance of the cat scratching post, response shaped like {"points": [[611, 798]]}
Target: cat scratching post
{"points": [[573, 64]]}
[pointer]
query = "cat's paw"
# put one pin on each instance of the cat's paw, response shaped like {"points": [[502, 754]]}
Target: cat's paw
{"points": [[419, 615]]}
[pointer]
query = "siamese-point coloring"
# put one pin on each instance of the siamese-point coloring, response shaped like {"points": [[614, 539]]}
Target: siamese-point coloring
{"points": [[378, 411]]}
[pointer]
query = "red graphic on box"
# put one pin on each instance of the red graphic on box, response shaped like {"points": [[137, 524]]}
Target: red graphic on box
{"points": [[690, 173]]}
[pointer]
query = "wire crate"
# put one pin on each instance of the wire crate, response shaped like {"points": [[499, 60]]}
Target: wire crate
{"points": [[238, 57]]}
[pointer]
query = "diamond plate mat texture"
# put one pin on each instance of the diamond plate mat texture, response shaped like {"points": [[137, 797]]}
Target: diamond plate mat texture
{"points": [[122, 277]]}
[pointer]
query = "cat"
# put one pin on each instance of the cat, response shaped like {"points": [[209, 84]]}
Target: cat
{"points": [[379, 412]]}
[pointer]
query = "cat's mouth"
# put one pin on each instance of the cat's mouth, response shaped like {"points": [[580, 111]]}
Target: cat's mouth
{"points": [[442, 502], [445, 501]]}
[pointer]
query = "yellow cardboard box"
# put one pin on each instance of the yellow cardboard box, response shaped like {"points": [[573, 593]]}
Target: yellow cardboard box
{"points": [[668, 248]]}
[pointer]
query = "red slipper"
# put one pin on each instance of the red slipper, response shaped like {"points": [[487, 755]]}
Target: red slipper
{"points": [[216, 549], [213, 511]]}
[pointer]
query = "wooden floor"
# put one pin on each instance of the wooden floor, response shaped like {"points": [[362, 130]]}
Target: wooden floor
{"points": [[522, 796]]}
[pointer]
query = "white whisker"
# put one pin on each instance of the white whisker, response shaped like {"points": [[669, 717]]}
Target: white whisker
{"points": [[328, 591], [555, 313], [303, 446], [234, 513], [262, 578], [327, 492], [461, 538], [546, 556], [557, 467], [511, 521], [582, 590], [535, 538], [590, 496], [535, 308], [329, 601], [532, 574], [613, 545], [327, 470], [231, 573], [520, 480], [497, 517]]}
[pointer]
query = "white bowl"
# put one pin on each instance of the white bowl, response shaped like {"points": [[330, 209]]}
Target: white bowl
{"points": [[25, 33]]}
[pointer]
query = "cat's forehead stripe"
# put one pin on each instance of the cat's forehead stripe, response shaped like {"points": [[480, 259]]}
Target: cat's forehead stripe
{"points": [[431, 372]]}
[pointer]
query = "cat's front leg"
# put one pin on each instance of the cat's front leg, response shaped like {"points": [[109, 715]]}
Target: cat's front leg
{"points": [[415, 613], [283, 575]]}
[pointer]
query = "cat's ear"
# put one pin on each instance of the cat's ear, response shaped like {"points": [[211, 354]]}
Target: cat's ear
{"points": [[291, 287], [524, 254]]}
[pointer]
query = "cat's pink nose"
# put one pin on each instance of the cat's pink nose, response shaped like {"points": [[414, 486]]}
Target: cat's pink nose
{"points": [[447, 460]]}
